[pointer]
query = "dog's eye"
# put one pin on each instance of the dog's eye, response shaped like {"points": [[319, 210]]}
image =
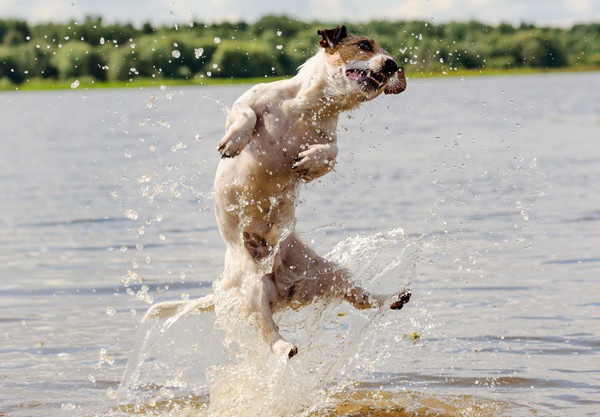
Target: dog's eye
{"points": [[365, 46]]}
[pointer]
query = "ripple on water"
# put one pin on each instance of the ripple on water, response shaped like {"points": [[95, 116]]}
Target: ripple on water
{"points": [[352, 402]]}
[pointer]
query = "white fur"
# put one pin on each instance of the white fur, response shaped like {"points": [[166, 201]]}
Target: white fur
{"points": [[278, 136]]}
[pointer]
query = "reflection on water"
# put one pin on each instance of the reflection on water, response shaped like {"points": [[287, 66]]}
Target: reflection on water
{"points": [[108, 208], [355, 402]]}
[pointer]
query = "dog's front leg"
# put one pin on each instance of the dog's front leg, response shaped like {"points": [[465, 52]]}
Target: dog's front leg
{"points": [[241, 122], [316, 161]]}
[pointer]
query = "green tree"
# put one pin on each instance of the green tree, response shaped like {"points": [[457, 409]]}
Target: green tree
{"points": [[534, 49], [245, 59], [14, 32], [77, 59], [119, 64], [274, 45], [10, 67]]}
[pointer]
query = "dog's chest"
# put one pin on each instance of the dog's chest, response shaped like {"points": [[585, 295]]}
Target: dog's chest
{"points": [[292, 131]]}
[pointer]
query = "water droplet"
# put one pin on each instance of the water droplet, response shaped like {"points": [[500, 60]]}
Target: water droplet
{"points": [[176, 54], [131, 214], [67, 406], [151, 102], [177, 147], [111, 393]]}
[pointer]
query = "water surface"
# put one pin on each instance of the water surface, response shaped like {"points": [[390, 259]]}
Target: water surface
{"points": [[483, 190]]}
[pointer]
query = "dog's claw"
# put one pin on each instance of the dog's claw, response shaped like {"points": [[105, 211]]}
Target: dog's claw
{"points": [[296, 162], [403, 298], [284, 348], [293, 352]]}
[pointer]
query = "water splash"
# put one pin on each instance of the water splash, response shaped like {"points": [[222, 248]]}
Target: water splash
{"points": [[384, 262], [245, 379]]}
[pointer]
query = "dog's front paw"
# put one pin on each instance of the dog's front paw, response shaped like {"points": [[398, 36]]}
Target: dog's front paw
{"points": [[284, 348], [315, 161], [231, 146]]}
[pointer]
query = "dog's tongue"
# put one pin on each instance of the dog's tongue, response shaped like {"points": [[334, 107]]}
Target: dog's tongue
{"points": [[353, 74]]}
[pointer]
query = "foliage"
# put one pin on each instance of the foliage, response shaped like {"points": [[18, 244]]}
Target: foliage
{"points": [[273, 45]]}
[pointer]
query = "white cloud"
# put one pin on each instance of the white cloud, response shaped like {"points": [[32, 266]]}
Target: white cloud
{"points": [[583, 7], [563, 12]]}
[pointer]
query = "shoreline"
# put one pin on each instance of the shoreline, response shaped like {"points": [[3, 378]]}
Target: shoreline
{"points": [[86, 83]]}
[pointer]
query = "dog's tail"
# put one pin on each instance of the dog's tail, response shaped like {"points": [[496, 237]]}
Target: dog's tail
{"points": [[173, 310]]}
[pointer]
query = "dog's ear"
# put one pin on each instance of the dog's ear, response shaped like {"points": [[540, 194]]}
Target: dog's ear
{"points": [[331, 37]]}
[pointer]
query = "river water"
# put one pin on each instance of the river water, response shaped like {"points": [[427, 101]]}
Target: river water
{"points": [[480, 194]]}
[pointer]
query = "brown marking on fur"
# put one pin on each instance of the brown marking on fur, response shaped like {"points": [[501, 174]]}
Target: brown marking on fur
{"points": [[331, 37]]}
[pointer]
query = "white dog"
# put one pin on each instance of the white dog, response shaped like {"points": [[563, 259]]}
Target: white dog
{"points": [[278, 136]]}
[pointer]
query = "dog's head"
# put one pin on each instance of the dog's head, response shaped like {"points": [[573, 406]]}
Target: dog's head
{"points": [[365, 66]]}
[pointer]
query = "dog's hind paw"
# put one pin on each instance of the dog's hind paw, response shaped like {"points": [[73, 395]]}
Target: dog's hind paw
{"points": [[400, 300], [284, 348]]}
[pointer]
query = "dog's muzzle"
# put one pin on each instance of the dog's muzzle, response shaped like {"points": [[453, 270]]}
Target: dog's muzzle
{"points": [[389, 77], [389, 67]]}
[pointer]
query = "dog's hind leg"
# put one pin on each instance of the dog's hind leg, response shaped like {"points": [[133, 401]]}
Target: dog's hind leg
{"points": [[323, 278], [269, 329], [257, 298], [319, 277], [262, 295]]}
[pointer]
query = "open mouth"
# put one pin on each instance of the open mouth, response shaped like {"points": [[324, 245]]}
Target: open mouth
{"points": [[366, 78]]}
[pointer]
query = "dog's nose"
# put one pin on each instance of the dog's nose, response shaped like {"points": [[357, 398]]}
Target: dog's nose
{"points": [[390, 66]]}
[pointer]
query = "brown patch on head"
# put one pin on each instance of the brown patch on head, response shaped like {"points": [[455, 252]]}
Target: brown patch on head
{"points": [[332, 37], [358, 48], [342, 47]]}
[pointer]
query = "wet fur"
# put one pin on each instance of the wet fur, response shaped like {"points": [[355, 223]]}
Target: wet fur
{"points": [[278, 136]]}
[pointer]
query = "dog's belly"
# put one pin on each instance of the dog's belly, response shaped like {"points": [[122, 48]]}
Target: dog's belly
{"points": [[250, 198], [256, 191]]}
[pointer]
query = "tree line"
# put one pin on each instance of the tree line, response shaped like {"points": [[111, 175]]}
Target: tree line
{"points": [[273, 46]]}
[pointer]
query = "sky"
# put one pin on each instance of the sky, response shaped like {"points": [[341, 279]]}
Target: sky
{"points": [[562, 13]]}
